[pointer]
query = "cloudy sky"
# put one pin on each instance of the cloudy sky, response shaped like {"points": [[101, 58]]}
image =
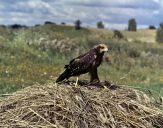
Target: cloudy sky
{"points": [[114, 13]]}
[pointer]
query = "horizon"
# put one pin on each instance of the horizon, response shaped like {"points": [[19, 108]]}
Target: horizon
{"points": [[72, 25]]}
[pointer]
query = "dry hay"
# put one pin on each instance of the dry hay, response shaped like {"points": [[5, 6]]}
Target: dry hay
{"points": [[62, 106]]}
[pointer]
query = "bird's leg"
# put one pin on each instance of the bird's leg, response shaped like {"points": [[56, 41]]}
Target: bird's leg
{"points": [[76, 83], [94, 76]]}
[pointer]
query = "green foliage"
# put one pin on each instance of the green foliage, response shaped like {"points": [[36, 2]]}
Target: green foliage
{"points": [[100, 24], [161, 25], [159, 35], [152, 27], [77, 24], [154, 90], [132, 25], [118, 34]]}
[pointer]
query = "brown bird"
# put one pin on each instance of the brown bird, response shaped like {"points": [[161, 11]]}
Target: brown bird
{"points": [[85, 63]]}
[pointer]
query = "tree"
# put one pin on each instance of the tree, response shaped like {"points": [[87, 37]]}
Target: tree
{"points": [[100, 24], [63, 23], [49, 22], [159, 37], [17, 26], [37, 25], [132, 25], [78, 24], [152, 27], [3, 26], [161, 25]]}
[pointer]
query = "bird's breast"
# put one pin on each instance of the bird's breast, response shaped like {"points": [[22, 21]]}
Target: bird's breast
{"points": [[97, 61]]}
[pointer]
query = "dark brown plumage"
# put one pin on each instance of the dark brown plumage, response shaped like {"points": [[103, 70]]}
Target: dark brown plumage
{"points": [[85, 63]]}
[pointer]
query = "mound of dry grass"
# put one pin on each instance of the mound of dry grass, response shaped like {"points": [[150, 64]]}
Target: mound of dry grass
{"points": [[68, 106]]}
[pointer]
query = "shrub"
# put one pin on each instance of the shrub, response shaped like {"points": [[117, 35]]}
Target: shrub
{"points": [[118, 34]]}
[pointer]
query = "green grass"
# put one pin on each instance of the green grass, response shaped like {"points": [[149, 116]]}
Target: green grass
{"points": [[27, 56]]}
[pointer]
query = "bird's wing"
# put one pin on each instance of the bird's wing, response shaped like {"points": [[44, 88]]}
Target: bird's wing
{"points": [[82, 63], [66, 66]]}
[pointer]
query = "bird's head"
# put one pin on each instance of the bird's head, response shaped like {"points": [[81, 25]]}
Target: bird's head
{"points": [[101, 48]]}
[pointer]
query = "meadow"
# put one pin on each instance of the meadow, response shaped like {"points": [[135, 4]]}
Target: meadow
{"points": [[38, 54]]}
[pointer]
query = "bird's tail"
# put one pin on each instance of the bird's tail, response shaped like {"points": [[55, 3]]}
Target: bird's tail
{"points": [[64, 75]]}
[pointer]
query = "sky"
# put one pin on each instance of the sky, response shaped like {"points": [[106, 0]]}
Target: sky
{"points": [[113, 13]]}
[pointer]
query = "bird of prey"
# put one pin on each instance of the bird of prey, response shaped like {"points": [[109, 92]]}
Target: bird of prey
{"points": [[85, 63]]}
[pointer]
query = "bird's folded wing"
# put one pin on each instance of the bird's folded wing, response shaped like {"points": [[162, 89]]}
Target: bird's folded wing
{"points": [[82, 63]]}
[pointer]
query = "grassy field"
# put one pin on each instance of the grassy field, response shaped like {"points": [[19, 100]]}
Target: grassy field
{"points": [[38, 55]]}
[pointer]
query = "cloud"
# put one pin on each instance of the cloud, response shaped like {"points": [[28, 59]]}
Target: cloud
{"points": [[114, 13], [151, 4]]}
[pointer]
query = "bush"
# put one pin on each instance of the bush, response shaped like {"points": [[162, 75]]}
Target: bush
{"points": [[159, 37], [118, 34], [100, 24], [132, 25]]}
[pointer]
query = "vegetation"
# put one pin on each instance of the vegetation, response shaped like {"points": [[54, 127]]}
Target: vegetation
{"points": [[48, 22], [63, 23], [118, 34], [38, 55], [132, 26], [100, 24], [159, 37], [152, 27], [77, 24]]}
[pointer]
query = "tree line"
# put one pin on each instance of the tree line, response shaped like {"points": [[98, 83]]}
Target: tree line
{"points": [[132, 25]]}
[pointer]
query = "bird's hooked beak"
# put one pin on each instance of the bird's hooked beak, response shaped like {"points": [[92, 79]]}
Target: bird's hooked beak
{"points": [[106, 50]]}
